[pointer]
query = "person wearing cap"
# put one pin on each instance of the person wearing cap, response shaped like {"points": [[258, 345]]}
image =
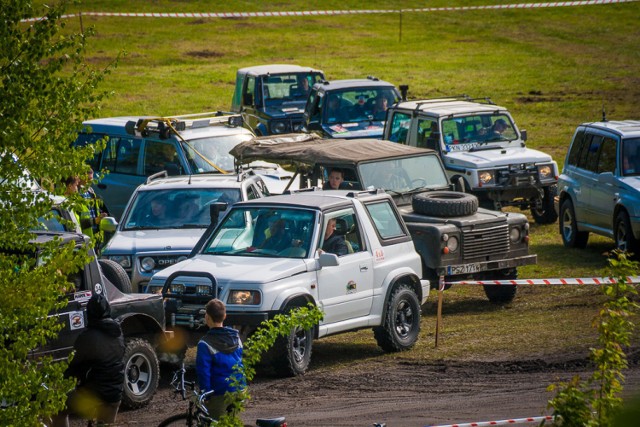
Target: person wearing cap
{"points": [[98, 366], [496, 131]]}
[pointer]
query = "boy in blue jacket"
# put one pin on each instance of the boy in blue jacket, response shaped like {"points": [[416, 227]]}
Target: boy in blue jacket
{"points": [[219, 350]]}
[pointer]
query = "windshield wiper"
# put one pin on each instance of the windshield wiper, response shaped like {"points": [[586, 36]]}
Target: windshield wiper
{"points": [[483, 147]]}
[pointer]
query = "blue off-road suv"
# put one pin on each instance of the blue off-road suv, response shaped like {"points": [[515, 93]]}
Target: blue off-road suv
{"points": [[599, 188]]}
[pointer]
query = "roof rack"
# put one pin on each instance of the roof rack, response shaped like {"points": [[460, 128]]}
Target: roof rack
{"points": [[157, 175], [454, 98], [145, 126], [369, 192]]}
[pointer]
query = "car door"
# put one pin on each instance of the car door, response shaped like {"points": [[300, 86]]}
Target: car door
{"points": [[604, 191], [346, 291], [121, 158], [72, 317]]}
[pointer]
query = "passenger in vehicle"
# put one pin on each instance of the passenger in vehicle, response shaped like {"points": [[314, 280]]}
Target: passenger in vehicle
{"points": [[158, 216], [495, 133], [335, 113], [333, 243], [380, 107], [279, 238], [630, 161], [336, 180]]}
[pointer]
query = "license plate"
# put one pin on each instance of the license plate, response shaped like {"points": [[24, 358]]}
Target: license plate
{"points": [[463, 269]]}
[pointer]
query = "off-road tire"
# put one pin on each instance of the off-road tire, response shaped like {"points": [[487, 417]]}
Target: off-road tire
{"points": [[291, 354], [116, 275], [401, 321], [571, 236], [141, 373], [502, 294], [445, 203], [623, 234], [547, 214]]}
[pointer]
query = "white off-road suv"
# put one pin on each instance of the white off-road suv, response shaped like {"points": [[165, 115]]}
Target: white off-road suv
{"points": [[166, 217], [265, 258], [483, 152]]}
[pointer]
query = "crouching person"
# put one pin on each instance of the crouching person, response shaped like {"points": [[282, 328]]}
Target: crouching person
{"points": [[98, 366], [219, 351]]}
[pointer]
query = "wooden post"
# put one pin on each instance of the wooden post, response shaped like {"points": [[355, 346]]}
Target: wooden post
{"points": [[439, 315]]}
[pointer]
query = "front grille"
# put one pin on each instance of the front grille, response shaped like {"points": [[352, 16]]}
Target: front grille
{"points": [[166, 260], [485, 242]]}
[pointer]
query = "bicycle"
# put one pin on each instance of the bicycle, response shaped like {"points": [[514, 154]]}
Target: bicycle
{"points": [[197, 414]]}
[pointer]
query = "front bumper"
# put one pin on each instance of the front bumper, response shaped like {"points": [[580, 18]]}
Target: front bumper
{"points": [[482, 266]]}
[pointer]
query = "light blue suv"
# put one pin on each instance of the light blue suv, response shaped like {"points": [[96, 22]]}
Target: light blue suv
{"points": [[599, 188]]}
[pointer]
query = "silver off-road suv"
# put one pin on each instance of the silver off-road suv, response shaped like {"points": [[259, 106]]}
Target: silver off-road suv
{"points": [[482, 149], [599, 189], [167, 216]]}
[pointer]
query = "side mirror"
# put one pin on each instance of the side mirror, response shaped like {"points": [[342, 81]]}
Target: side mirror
{"points": [[328, 260], [606, 178], [523, 135], [215, 209], [108, 224]]}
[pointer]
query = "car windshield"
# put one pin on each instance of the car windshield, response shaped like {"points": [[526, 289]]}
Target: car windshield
{"points": [[631, 157], [52, 221], [181, 208], [280, 89], [359, 105], [264, 232], [204, 153], [469, 132], [403, 175]]}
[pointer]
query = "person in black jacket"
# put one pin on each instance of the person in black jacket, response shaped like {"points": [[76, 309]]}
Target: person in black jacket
{"points": [[99, 367], [333, 242]]}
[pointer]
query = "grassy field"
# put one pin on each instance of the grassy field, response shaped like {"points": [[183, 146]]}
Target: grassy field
{"points": [[552, 67]]}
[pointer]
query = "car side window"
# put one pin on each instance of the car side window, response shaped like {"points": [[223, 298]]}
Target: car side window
{"points": [[593, 153], [400, 123], [576, 147], [584, 152], [607, 160], [385, 221], [160, 156], [251, 193], [121, 155]]}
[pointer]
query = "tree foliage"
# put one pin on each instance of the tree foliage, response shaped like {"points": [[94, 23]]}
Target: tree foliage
{"points": [[596, 401], [46, 91]]}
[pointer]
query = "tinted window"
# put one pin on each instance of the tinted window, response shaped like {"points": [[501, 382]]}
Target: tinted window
{"points": [[576, 147], [593, 153], [607, 160], [428, 134], [631, 156], [584, 151], [159, 156], [121, 155]]}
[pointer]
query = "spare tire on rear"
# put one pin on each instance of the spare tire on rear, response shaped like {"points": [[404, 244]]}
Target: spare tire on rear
{"points": [[116, 275], [445, 203]]}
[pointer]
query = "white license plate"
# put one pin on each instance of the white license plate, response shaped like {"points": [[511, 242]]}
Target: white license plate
{"points": [[463, 269]]}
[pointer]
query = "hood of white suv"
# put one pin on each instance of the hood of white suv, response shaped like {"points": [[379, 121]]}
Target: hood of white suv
{"points": [[486, 158], [238, 269], [166, 240]]}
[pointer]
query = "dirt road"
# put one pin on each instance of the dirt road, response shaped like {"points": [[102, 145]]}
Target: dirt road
{"points": [[400, 394]]}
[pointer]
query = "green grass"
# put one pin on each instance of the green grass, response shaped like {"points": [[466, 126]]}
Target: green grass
{"points": [[552, 67]]}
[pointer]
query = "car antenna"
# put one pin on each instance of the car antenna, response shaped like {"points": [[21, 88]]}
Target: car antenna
{"points": [[190, 179], [604, 113]]}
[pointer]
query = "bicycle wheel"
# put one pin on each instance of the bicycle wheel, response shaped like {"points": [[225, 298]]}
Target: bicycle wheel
{"points": [[178, 420]]}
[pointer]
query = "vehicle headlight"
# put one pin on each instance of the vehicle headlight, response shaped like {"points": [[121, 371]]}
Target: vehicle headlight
{"points": [[154, 289], [545, 172], [123, 260], [514, 234], [278, 127], [451, 242], [147, 263], [486, 177], [244, 297], [203, 289], [177, 288]]}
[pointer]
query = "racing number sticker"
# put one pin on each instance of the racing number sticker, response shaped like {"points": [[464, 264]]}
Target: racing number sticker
{"points": [[379, 255]]}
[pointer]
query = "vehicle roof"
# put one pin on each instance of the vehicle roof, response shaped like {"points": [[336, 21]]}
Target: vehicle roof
{"points": [[311, 149], [196, 181], [316, 200], [116, 126], [276, 69], [40, 237], [448, 106], [626, 128], [352, 84]]}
